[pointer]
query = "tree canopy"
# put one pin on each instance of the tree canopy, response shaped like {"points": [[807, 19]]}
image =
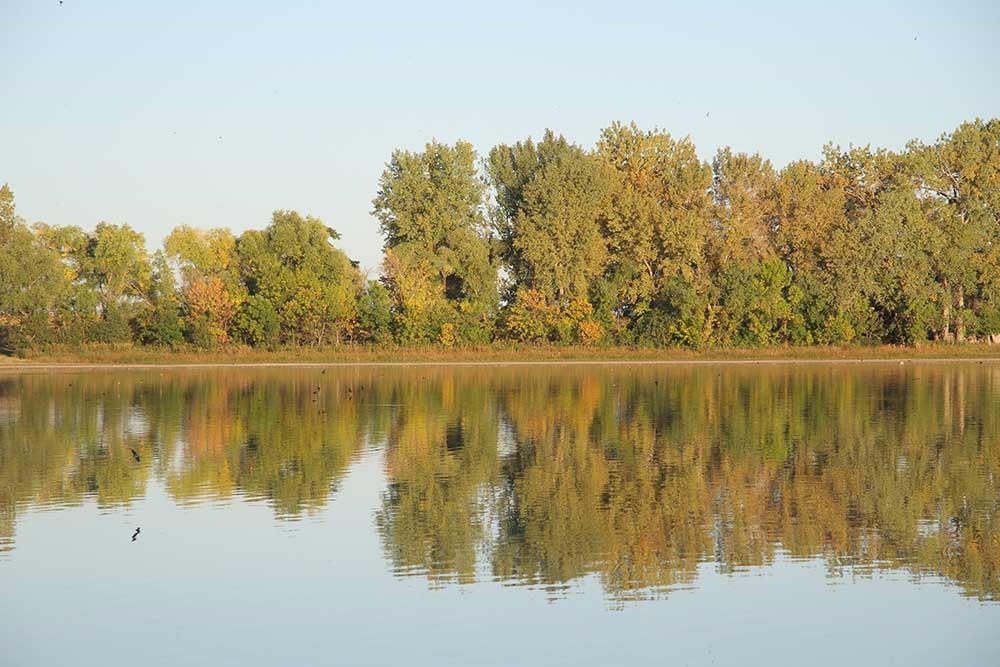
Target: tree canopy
{"points": [[635, 242]]}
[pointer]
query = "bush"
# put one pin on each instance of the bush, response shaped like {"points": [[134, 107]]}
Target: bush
{"points": [[257, 321]]}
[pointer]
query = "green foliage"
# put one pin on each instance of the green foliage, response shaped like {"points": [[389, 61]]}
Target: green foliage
{"points": [[31, 282], [438, 267], [510, 171], [553, 201], [161, 325], [745, 216], [257, 322], [681, 315], [637, 241], [760, 305], [659, 225], [311, 285], [115, 264], [530, 318]]}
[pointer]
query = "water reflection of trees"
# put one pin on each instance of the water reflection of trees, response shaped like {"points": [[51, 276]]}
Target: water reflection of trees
{"points": [[441, 459], [638, 477], [206, 434], [545, 476]]}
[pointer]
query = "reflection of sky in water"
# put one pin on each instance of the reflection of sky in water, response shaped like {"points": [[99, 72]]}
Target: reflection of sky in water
{"points": [[194, 589], [502, 517]]}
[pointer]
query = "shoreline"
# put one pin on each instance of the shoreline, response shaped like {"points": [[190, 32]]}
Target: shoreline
{"points": [[50, 366], [139, 358]]}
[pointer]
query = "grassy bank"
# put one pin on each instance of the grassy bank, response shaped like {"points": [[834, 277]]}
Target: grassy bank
{"points": [[130, 355]]}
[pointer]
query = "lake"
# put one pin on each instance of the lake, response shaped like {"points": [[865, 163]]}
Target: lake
{"points": [[550, 514]]}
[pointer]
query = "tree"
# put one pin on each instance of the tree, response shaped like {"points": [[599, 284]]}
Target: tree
{"points": [[553, 201], [210, 307], [857, 261], [257, 321], [759, 305], [510, 170], [659, 224], [419, 309], [744, 193], [903, 240], [31, 282], [430, 208], [312, 286], [210, 275], [957, 178], [200, 253], [375, 314], [161, 324], [810, 220], [117, 265], [110, 275]]}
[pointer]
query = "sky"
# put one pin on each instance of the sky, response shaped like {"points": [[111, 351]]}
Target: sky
{"points": [[216, 114]]}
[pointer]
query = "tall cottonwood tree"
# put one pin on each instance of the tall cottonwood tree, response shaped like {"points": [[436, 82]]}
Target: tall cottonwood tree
{"points": [[553, 201], [957, 177], [658, 228], [510, 169], [744, 189], [810, 219], [430, 207]]}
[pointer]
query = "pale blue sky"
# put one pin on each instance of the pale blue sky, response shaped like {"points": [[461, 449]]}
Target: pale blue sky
{"points": [[114, 110]]}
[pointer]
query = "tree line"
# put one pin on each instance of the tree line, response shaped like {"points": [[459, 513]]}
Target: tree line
{"points": [[634, 242]]}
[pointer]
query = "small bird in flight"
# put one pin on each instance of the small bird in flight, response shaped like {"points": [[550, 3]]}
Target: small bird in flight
{"points": [[135, 455], [135, 534]]}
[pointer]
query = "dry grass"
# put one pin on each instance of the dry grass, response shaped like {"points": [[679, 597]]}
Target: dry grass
{"points": [[135, 355]]}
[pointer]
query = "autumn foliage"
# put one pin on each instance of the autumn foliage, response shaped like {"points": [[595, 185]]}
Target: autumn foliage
{"points": [[636, 242]]}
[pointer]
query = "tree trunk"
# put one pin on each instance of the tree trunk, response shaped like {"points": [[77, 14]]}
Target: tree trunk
{"points": [[946, 328], [959, 318]]}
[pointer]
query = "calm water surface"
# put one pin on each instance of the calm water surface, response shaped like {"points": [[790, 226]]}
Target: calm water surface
{"points": [[817, 514]]}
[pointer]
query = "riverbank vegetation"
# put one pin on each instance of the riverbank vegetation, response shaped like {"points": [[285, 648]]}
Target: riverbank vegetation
{"points": [[494, 353], [636, 243]]}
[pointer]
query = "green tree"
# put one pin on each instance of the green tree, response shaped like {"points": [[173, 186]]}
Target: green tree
{"points": [[957, 177], [509, 170], [659, 225], [744, 193], [312, 285], [430, 209], [161, 324], [375, 314], [211, 282], [811, 219], [857, 263], [553, 200], [201, 253], [31, 282], [257, 321]]}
